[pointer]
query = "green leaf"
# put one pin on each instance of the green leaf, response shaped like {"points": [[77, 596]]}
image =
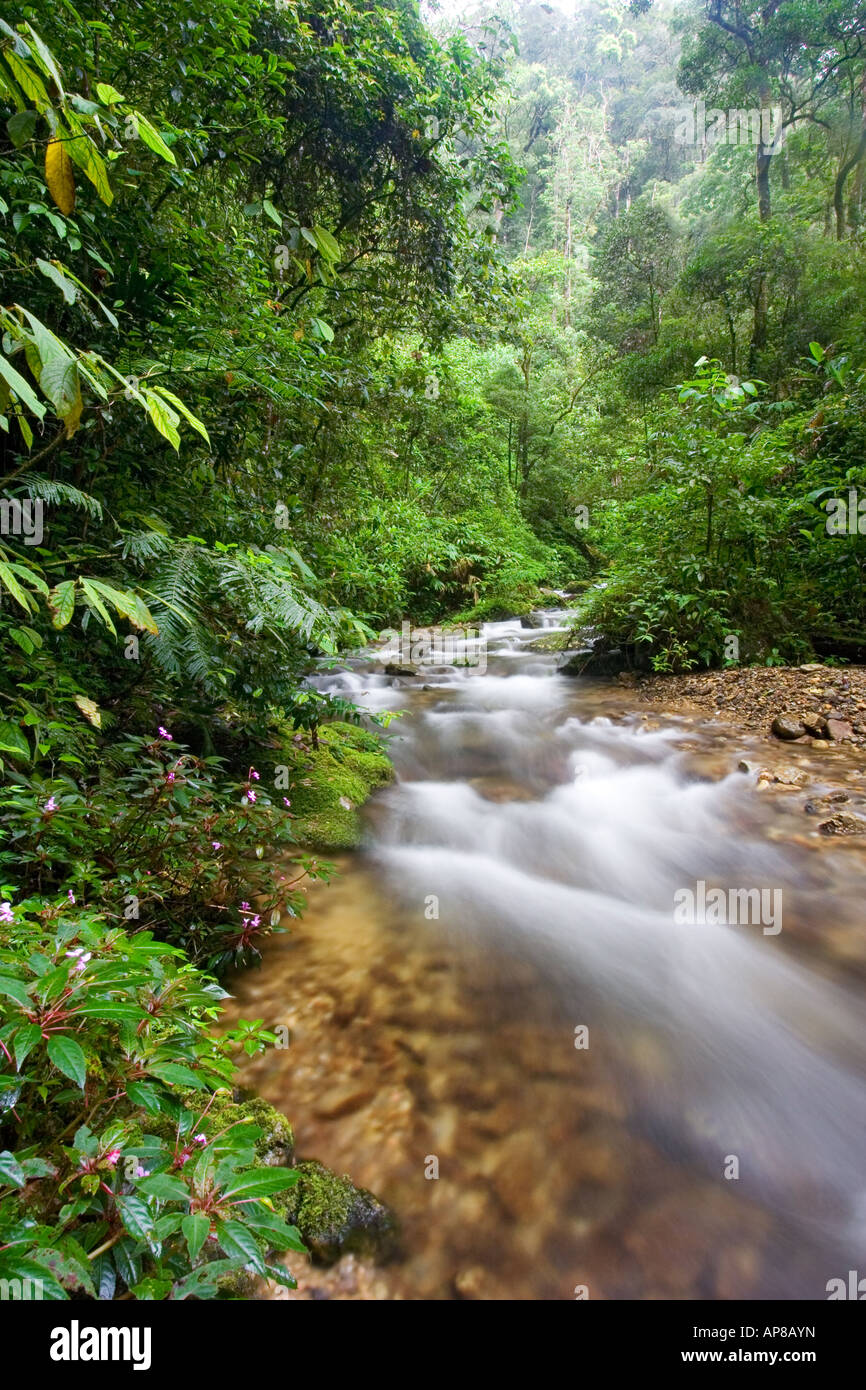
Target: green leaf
{"points": [[281, 1276], [24, 392], [26, 1038], [28, 79], [66, 287], [202, 1282], [22, 1267], [136, 1216], [15, 989], [272, 213], [46, 59], [61, 383], [128, 1261], [61, 602], [83, 152], [107, 1008], [129, 605], [196, 1229], [7, 577], [38, 1168], [174, 1074], [21, 127], [108, 95], [104, 1276], [151, 1289], [163, 417], [165, 1187], [184, 410], [167, 1225], [96, 603], [327, 244], [67, 1056], [152, 138], [11, 1172], [275, 1231], [140, 1093], [12, 740], [262, 1182], [240, 1243]]}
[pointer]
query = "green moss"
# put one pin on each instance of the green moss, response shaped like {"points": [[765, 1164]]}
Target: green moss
{"points": [[336, 1218], [275, 1146], [501, 603], [331, 783]]}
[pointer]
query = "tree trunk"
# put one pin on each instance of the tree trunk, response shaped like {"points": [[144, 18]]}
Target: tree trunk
{"points": [[841, 179]]}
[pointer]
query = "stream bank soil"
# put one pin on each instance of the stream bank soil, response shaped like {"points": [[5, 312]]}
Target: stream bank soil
{"points": [[828, 702]]}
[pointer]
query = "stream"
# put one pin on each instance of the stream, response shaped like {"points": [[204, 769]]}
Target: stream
{"points": [[501, 1026]]}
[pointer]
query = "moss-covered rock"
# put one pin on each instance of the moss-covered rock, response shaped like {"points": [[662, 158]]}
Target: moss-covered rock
{"points": [[332, 782], [336, 1218], [333, 1216], [275, 1146]]}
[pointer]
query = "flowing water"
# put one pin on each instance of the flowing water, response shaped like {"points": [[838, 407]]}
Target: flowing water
{"points": [[497, 989]]}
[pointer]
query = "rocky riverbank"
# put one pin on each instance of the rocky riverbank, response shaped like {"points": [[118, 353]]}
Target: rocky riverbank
{"points": [[813, 704]]}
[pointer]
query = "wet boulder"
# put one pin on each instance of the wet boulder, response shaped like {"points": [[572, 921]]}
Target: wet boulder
{"points": [[842, 824], [788, 727], [595, 661], [394, 668], [839, 729]]}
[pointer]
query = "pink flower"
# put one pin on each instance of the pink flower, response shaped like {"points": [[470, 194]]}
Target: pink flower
{"points": [[250, 796], [255, 921], [286, 801], [50, 806], [245, 907], [216, 844], [201, 1138], [142, 1172], [111, 1157], [163, 733], [169, 777], [254, 776], [6, 913], [71, 896]]}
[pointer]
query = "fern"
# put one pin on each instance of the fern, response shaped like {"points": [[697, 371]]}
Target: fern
{"points": [[57, 493], [205, 600]]}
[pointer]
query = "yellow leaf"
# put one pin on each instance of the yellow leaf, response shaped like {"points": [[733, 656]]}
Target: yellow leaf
{"points": [[72, 418], [59, 176], [90, 710]]}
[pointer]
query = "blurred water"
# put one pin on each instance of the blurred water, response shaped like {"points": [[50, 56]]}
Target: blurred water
{"points": [[550, 841]]}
